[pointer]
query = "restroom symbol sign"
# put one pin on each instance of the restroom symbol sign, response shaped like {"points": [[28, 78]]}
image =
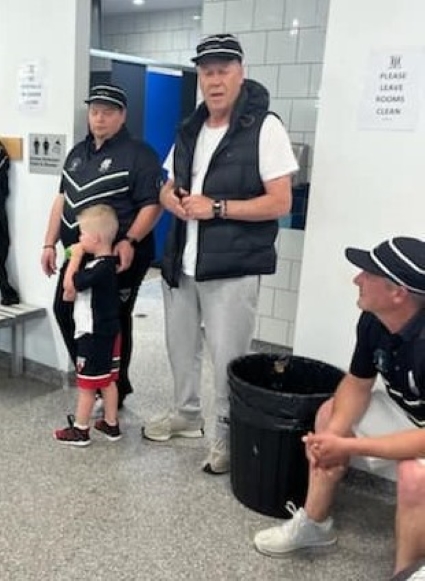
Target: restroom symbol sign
{"points": [[46, 153]]}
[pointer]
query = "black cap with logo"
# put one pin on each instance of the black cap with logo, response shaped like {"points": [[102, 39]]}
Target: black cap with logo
{"points": [[218, 47], [108, 95], [400, 259]]}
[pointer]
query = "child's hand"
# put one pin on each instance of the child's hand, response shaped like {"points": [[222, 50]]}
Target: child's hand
{"points": [[69, 295]]}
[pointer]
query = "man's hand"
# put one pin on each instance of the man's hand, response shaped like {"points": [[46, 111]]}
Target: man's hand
{"points": [[125, 252], [171, 199], [48, 261], [198, 207], [326, 450]]}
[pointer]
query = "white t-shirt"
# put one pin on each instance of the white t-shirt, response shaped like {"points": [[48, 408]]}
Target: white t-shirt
{"points": [[276, 160]]}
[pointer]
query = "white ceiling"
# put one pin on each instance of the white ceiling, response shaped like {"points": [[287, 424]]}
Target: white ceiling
{"points": [[123, 6]]}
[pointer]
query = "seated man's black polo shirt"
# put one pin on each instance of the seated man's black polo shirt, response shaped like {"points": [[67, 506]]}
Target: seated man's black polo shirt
{"points": [[398, 357]]}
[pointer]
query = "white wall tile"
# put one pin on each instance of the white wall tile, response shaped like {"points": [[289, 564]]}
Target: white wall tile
{"points": [[281, 47], [173, 19], [322, 13], [294, 284], [185, 58], [302, 11], [285, 305], [281, 279], [108, 26], [213, 18], [273, 331], [304, 114], [128, 23], [254, 46], [291, 243], [296, 137], [283, 108], [266, 75], [311, 45], [315, 80], [265, 301], [179, 39], [142, 23], [294, 81], [239, 15], [290, 335], [268, 14]]}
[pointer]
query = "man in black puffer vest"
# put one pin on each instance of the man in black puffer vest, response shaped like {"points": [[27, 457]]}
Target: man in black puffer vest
{"points": [[229, 179], [9, 296]]}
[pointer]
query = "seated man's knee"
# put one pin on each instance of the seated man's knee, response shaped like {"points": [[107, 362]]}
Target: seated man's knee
{"points": [[323, 415], [410, 482]]}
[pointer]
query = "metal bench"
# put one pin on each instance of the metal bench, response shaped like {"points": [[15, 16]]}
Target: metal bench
{"points": [[15, 317]]}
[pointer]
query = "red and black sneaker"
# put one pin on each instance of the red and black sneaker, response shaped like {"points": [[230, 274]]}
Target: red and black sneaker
{"points": [[72, 435], [112, 433]]}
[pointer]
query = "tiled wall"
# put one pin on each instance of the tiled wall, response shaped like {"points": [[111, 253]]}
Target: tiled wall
{"points": [[279, 292], [284, 45], [166, 36]]}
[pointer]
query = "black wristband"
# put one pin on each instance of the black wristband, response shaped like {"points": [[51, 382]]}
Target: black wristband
{"points": [[131, 240]]}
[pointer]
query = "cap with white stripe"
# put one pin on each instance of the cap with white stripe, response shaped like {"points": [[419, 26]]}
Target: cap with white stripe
{"points": [[218, 47], [400, 259], [108, 95]]}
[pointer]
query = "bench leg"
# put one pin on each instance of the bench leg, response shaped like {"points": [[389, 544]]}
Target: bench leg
{"points": [[17, 354]]}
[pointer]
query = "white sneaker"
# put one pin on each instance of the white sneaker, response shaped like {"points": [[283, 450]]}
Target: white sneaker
{"points": [[299, 532], [162, 428], [218, 460]]}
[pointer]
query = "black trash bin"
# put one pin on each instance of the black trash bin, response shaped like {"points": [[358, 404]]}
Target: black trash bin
{"points": [[273, 403]]}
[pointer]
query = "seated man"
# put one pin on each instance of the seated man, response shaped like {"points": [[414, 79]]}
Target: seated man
{"points": [[361, 422]]}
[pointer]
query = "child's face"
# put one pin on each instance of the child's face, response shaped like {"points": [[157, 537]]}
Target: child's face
{"points": [[89, 241]]}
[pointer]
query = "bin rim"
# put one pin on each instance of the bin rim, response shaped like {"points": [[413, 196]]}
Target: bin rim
{"points": [[243, 382]]}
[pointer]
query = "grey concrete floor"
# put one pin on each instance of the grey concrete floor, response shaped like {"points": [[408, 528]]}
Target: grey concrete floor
{"points": [[136, 510]]}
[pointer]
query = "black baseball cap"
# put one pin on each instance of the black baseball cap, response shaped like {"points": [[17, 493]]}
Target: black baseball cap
{"points": [[218, 46], [400, 259], [108, 95]]}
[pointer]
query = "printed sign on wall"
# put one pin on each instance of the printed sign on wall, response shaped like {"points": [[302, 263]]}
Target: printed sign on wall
{"points": [[394, 90], [31, 87], [46, 153]]}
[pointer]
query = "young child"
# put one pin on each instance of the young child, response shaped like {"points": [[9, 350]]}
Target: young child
{"points": [[92, 285]]}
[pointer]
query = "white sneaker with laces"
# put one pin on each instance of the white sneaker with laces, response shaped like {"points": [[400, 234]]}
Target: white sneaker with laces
{"points": [[218, 460], [299, 532], [171, 425]]}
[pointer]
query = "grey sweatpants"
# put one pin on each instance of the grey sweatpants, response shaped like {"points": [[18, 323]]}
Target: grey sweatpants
{"points": [[227, 308]]}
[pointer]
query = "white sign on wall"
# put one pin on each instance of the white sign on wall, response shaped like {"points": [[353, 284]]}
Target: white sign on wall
{"points": [[31, 88], [394, 90]]}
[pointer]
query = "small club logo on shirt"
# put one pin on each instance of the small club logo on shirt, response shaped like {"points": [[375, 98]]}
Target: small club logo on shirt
{"points": [[105, 165]]}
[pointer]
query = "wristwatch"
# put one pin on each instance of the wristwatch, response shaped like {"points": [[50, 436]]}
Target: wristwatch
{"points": [[216, 207], [132, 240]]}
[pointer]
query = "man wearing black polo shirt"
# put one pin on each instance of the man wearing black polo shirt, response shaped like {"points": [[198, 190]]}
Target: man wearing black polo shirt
{"points": [[385, 425], [108, 167]]}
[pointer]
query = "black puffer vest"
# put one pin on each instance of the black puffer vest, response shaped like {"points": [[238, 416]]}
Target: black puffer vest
{"points": [[226, 248]]}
